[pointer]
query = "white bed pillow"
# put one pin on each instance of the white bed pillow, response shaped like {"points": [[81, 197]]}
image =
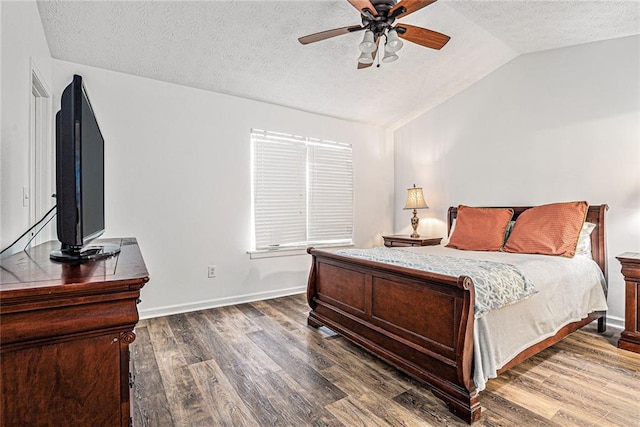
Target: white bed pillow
{"points": [[584, 240], [445, 241]]}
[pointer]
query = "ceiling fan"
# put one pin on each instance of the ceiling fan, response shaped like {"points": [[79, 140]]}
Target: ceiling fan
{"points": [[378, 17]]}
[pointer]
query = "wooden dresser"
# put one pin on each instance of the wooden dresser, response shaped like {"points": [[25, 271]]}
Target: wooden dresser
{"points": [[65, 332], [630, 337]]}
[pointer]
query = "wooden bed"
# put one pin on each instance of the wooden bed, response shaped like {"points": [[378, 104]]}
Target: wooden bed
{"points": [[420, 322]]}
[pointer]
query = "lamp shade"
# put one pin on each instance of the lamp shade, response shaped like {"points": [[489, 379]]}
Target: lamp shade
{"points": [[368, 44], [394, 44], [365, 58], [415, 199], [389, 56]]}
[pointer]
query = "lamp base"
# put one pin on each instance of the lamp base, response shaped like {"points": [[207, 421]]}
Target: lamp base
{"points": [[414, 223]]}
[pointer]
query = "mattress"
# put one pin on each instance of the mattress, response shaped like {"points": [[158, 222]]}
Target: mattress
{"points": [[568, 289]]}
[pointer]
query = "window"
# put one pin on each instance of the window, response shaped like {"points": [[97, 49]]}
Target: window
{"points": [[302, 191]]}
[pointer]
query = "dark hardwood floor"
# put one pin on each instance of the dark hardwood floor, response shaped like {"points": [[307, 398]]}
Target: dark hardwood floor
{"points": [[259, 364]]}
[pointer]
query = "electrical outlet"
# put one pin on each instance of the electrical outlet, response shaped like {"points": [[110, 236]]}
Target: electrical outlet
{"points": [[211, 271], [25, 197]]}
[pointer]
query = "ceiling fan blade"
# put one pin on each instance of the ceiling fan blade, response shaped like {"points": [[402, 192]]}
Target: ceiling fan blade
{"points": [[422, 36], [410, 6], [363, 4], [323, 35], [373, 56]]}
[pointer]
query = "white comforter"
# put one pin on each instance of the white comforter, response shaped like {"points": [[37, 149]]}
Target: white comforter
{"points": [[568, 290]]}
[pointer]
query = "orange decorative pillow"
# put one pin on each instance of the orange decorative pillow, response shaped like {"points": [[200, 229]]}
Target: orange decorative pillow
{"points": [[480, 229], [548, 229]]}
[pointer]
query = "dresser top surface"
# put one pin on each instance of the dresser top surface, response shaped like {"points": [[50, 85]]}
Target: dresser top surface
{"points": [[33, 271]]}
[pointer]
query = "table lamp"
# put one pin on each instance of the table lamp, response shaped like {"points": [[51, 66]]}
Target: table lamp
{"points": [[415, 201]]}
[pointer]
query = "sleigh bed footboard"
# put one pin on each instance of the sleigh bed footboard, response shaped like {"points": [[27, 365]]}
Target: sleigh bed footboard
{"points": [[420, 322]]}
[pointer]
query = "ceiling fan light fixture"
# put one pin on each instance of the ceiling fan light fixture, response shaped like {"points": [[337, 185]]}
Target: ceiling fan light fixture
{"points": [[394, 44], [377, 20], [365, 58], [368, 44], [389, 56]]}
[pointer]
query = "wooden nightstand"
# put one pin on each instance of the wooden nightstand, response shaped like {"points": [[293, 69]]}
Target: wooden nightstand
{"points": [[402, 240], [630, 337]]}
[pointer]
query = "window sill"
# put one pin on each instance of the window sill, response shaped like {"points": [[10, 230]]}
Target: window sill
{"points": [[295, 251]]}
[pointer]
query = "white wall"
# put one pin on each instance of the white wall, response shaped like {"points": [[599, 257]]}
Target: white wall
{"points": [[551, 126], [178, 178], [22, 43], [556, 125], [1, 49]]}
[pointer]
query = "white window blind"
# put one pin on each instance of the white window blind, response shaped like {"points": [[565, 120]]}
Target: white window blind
{"points": [[302, 191]]}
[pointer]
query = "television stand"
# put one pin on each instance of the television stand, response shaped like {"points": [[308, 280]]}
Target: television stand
{"points": [[65, 331], [86, 253]]}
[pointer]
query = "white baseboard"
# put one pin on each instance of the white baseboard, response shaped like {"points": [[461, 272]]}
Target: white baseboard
{"points": [[615, 322], [219, 302]]}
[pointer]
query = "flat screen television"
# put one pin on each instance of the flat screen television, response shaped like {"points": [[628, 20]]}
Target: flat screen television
{"points": [[79, 178]]}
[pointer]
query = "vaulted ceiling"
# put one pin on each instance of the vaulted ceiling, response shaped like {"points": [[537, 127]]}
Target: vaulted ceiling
{"points": [[250, 48]]}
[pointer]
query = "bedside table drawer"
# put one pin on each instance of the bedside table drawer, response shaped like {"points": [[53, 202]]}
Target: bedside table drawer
{"points": [[637, 329]]}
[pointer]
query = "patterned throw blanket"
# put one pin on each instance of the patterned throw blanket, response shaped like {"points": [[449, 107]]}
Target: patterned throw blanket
{"points": [[496, 284]]}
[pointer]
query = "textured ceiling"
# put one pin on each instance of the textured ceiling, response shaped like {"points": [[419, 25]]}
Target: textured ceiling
{"points": [[250, 48]]}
